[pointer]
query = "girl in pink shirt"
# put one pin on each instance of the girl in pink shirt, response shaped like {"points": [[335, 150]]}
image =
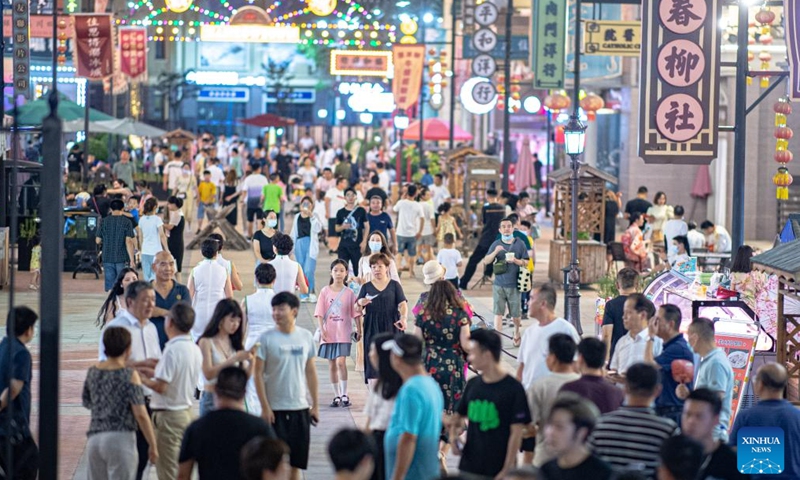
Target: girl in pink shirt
{"points": [[336, 310]]}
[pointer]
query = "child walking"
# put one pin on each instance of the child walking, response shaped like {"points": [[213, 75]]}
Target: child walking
{"points": [[335, 312], [36, 263], [447, 224]]}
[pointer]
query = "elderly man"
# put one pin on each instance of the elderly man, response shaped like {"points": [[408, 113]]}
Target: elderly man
{"points": [[124, 169], [168, 292]]}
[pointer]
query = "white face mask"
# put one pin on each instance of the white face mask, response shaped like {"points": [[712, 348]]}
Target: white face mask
{"points": [[272, 223], [375, 247]]}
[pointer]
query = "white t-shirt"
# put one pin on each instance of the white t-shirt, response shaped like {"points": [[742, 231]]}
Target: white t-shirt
{"points": [[254, 184], [151, 240], [337, 201], [379, 410], [673, 228], [721, 240], [217, 176], [439, 194], [696, 239], [309, 174], [427, 212], [384, 180], [408, 214], [180, 366], [173, 170], [534, 348], [449, 258]]}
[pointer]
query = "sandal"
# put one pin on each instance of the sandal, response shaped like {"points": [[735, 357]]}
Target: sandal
{"points": [[337, 402], [345, 401], [517, 340]]}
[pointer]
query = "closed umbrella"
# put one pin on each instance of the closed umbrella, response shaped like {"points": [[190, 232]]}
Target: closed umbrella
{"points": [[434, 129], [525, 175], [33, 113], [701, 188]]}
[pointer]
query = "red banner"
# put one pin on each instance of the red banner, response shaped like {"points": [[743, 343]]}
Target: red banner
{"points": [[739, 350], [133, 51], [408, 64], [94, 46]]}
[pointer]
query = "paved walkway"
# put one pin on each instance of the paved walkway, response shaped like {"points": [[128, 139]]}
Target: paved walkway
{"points": [[83, 297]]}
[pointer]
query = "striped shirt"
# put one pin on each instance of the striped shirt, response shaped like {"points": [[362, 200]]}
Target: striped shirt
{"points": [[630, 438]]}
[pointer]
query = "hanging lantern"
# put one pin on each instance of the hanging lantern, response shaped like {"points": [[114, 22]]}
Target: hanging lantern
{"points": [[782, 179], [765, 17], [591, 103], [557, 101]]}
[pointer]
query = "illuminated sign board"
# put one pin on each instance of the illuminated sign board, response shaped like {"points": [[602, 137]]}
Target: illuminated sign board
{"points": [[367, 97], [361, 63], [249, 34]]}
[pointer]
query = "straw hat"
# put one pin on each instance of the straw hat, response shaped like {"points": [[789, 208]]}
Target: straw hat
{"points": [[432, 272]]}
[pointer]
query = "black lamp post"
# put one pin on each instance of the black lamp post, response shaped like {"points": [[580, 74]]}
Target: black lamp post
{"points": [[574, 142]]}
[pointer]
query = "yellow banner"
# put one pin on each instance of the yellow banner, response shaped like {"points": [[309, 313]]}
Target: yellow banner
{"points": [[610, 37], [409, 61]]}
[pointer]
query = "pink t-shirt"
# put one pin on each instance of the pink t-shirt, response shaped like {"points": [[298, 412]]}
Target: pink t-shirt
{"points": [[339, 324]]}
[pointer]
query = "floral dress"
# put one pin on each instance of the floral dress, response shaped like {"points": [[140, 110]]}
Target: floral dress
{"points": [[444, 357]]}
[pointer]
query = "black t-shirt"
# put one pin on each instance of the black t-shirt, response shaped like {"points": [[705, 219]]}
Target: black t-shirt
{"points": [[613, 316], [376, 191], [493, 213], [101, 206], [303, 227], [75, 162], [592, 468], [356, 219], [284, 163], [721, 465], [265, 245], [639, 205], [491, 409], [215, 440]]}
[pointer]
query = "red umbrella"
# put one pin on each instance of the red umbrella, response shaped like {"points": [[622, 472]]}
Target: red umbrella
{"points": [[702, 183], [266, 120], [434, 129], [524, 175]]}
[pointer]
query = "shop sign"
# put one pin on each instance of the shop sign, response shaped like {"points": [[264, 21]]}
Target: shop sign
{"points": [[611, 37], [792, 15], [232, 95], [520, 46], [40, 26], [359, 63], [22, 48], [550, 41], [679, 94], [408, 64], [249, 34], [295, 95], [94, 46], [133, 51]]}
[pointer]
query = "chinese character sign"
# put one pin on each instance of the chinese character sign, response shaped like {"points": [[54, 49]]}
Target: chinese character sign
{"points": [[133, 51], [679, 94], [94, 46], [408, 64], [22, 49], [612, 37], [549, 32], [792, 14]]}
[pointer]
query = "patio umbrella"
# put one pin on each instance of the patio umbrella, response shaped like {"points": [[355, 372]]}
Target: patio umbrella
{"points": [[524, 175], [434, 129], [124, 126], [33, 113], [267, 120]]}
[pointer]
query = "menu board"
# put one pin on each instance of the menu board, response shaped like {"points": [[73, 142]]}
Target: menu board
{"points": [[739, 350]]}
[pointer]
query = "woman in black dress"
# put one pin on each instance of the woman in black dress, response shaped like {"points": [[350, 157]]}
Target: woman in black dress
{"points": [[383, 305], [262, 239], [175, 224], [230, 195]]}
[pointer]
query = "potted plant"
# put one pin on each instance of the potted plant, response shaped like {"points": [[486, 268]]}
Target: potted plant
{"points": [[28, 229]]}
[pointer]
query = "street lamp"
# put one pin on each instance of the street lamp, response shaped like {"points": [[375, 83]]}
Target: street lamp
{"points": [[574, 143], [400, 124]]}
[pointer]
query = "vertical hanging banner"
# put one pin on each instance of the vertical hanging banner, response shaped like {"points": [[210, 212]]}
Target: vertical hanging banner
{"points": [[791, 12], [549, 43], [408, 64], [21, 17], [133, 52], [678, 92], [94, 46]]}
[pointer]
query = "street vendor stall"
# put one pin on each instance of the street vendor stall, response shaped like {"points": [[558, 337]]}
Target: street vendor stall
{"points": [[480, 172]]}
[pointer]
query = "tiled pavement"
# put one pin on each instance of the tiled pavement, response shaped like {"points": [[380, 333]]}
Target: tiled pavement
{"points": [[79, 337]]}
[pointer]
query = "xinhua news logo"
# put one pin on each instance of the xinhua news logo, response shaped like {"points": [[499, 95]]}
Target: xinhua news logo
{"points": [[760, 450]]}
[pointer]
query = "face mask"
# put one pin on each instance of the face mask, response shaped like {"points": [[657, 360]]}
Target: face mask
{"points": [[272, 223], [507, 238], [306, 206], [375, 246], [187, 172]]}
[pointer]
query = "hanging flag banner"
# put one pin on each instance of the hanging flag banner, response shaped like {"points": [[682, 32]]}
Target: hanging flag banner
{"points": [[94, 46], [22, 48], [792, 14], [549, 43], [679, 96], [133, 52], [408, 64]]}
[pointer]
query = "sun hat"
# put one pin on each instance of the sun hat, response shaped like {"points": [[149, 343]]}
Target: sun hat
{"points": [[432, 272]]}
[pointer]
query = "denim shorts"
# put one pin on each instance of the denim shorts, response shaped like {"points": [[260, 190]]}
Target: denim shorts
{"points": [[407, 244], [201, 209]]}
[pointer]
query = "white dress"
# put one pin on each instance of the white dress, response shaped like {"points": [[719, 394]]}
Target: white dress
{"points": [[209, 288], [259, 320], [285, 273]]}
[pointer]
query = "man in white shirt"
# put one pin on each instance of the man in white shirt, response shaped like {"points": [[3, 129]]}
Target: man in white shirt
{"points": [[140, 299], [172, 170], [384, 180], [253, 185], [718, 239], [160, 157], [638, 310], [217, 175], [334, 201], [672, 228], [173, 388], [222, 150], [439, 191], [532, 355], [410, 222], [325, 160], [696, 239]]}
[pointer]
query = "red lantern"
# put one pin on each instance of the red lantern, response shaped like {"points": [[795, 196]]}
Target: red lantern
{"points": [[782, 107], [784, 133], [782, 180], [591, 103], [783, 156], [765, 17], [557, 101]]}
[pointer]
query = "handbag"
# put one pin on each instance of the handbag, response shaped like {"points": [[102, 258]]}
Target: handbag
{"points": [[524, 280], [318, 332]]}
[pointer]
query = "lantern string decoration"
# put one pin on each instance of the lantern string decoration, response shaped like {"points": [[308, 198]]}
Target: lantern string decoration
{"points": [[62, 42], [782, 179], [765, 17]]}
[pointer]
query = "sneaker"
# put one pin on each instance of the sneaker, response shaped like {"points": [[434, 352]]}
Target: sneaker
{"points": [[303, 299], [311, 298]]}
